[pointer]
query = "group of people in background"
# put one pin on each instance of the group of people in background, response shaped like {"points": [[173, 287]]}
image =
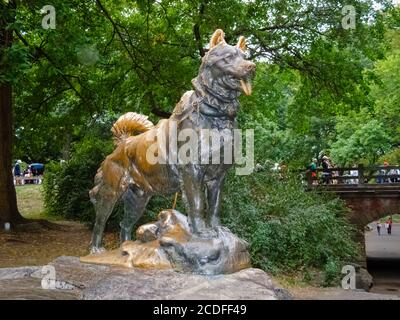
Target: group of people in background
{"points": [[330, 176], [24, 177], [388, 175], [388, 226], [327, 173]]}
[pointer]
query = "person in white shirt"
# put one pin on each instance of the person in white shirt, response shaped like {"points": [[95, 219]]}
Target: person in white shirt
{"points": [[378, 227]]}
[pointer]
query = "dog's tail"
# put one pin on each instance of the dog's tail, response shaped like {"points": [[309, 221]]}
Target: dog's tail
{"points": [[130, 124]]}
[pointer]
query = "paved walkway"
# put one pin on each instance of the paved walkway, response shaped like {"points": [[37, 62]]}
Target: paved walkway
{"points": [[384, 246], [383, 256]]}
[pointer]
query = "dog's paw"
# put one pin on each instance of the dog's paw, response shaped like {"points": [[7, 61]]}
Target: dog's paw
{"points": [[95, 250], [147, 232]]}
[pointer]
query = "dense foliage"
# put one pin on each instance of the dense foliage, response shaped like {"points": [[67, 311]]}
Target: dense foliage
{"points": [[288, 229], [67, 184]]}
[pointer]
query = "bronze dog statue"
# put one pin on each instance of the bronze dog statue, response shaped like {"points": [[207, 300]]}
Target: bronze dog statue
{"points": [[128, 173]]}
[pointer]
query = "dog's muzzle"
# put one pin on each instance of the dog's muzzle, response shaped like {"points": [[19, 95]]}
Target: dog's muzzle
{"points": [[245, 82]]}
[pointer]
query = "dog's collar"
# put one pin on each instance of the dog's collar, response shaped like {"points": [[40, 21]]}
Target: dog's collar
{"points": [[212, 105], [205, 106], [218, 96], [216, 112]]}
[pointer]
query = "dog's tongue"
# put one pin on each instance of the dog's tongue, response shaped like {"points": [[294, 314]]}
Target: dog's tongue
{"points": [[246, 87]]}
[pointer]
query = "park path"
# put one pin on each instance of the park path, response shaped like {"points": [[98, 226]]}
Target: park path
{"points": [[383, 253], [384, 246], [383, 256]]}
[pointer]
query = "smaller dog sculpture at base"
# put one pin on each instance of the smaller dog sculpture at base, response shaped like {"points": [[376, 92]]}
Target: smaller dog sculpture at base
{"points": [[169, 244]]}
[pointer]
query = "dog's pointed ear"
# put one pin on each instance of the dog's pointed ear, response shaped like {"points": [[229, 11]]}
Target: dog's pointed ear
{"points": [[217, 38], [242, 44]]}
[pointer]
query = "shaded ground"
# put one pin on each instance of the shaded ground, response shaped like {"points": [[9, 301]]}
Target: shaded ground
{"points": [[312, 293], [38, 247], [43, 246]]}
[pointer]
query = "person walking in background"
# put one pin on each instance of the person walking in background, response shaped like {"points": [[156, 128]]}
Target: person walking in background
{"points": [[397, 173], [313, 170], [378, 227], [28, 174], [389, 222], [326, 173], [334, 174], [382, 173], [394, 175], [387, 227], [17, 172], [386, 172], [354, 173]]}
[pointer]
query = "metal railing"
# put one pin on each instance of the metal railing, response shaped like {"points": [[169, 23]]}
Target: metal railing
{"points": [[359, 175]]}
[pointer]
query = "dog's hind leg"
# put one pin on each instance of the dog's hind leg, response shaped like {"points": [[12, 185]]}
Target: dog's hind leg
{"points": [[135, 201]]}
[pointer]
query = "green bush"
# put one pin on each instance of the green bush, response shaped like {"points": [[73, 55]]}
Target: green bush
{"points": [[393, 157], [66, 186], [288, 229]]}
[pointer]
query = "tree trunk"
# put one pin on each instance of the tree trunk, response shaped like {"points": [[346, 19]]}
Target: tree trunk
{"points": [[8, 200]]}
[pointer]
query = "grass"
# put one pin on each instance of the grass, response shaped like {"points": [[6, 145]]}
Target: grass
{"points": [[395, 218], [30, 201]]}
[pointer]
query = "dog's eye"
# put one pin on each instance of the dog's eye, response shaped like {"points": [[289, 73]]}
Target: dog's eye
{"points": [[228, 59]]}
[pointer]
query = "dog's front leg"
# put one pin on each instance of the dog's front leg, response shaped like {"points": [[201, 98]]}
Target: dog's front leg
{"points": [[214, 200], [193, 196]]}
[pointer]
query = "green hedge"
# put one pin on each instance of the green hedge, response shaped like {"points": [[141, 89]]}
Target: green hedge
{"points": [[66, 184]]}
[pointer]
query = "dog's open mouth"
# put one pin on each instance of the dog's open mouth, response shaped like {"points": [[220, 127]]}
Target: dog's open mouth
{"points": [[234, 83], [245, 84]]}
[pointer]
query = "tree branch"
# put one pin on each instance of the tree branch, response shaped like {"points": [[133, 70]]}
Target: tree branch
{"points": [[42, 52], [196, 30], [108, 16]]}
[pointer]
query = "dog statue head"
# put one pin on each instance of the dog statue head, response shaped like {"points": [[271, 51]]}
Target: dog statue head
{"points": [[224, 71]]}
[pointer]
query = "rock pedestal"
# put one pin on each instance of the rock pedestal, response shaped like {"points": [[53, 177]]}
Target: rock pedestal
{"points": [[169, 244], [76, 280]]}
